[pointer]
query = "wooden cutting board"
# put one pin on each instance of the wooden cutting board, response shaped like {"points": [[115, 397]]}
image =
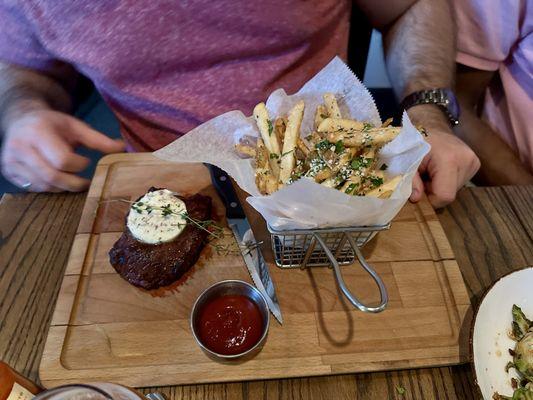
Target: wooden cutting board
{"points": [[103, 328]]}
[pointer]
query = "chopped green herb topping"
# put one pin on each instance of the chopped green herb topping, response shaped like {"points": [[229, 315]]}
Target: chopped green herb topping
{"points": [[351, 187], [361, 162], [339, 147], [166, 210], [140, 207], [287, 152], [367, 127], [273, 156], [324, 116], [323, 145], [270, 127], [294, 177], [376, 181]]}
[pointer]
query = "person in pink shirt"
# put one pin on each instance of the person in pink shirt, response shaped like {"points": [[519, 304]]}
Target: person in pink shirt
{"points": [[495, 87], [166, 66]]}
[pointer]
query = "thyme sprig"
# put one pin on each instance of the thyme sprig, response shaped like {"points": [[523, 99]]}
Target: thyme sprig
{"points": [[216, 232], [209, 226]]}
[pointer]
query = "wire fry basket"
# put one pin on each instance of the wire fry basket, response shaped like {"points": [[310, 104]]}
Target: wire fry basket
{"points": [[333, 247]]}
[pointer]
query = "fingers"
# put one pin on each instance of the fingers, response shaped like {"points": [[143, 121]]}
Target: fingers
{"points": [[20, 175], [471, 168], [418, 189], [448, 166], [60, 155], [39, 149], [93, 139], [50, 176], [443, 186]]}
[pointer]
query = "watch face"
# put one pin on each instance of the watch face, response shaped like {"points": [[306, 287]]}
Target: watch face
{"points": [[453, 104]]}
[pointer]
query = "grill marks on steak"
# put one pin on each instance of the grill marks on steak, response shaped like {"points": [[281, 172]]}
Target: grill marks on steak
{"points": [[151, 266]]}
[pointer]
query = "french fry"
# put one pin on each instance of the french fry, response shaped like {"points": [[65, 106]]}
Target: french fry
{"points": [[261, 166], [385, 191], [321, 114], [245, 150], [370, 154], [330, 182], [341, 153], [376, 137], [387, 122], [265, 180], [342, 162], [270, 140], [314, 138], [279, 128], [340, 125], [292, 133], [345, 158], [300, 156], [271, 184], [302, 146], [332, 106], [351, 186], [323, 174]]}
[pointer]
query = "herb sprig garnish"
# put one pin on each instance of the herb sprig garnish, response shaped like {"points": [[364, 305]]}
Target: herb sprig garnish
{"points": [[215, 231], [210, 226], [204, 225]]}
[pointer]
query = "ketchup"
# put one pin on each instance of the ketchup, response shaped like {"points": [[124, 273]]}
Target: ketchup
{"points": [[230, 324]]}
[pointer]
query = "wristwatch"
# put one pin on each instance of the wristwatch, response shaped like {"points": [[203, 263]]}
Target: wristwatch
{"points": [[444, 98]]}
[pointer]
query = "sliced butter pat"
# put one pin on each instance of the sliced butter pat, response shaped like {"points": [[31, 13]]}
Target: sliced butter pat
{"points": [[157, 217]]}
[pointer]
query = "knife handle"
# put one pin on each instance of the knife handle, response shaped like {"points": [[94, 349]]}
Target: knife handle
{"points": [[222, 183]]}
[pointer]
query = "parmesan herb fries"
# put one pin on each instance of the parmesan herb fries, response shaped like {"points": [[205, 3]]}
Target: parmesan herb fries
{"points": [[340, 153]]}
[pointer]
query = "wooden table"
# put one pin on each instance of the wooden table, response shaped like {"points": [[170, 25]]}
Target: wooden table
{"points": [[490, 230]]}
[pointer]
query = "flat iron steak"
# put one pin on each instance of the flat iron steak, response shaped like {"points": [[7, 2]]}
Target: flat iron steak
{"points": [[151, 266]]}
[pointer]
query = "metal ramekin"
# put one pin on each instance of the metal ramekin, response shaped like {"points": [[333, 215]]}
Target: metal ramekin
{"points": [[231, 287]]}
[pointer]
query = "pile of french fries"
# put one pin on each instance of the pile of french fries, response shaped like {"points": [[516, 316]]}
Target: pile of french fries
{"points": [[340, 153]]}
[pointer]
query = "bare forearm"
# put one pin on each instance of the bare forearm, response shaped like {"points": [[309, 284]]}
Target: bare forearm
{"points": [[420, 53], [420, 48], [499, 163], [23, 90]]}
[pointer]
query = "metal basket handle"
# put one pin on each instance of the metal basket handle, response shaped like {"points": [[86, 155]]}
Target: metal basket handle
{"points": [[364, 264]]}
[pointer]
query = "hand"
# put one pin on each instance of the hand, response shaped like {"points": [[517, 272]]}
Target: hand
{"points": [[39, 148], [449, 165]]}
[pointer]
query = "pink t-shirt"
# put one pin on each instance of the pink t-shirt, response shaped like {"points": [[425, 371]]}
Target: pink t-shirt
{"points": [[166, 66], [497, 35]]}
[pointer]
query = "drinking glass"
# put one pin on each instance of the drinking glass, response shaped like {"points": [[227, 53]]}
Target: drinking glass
{"points": [[95, 391]]}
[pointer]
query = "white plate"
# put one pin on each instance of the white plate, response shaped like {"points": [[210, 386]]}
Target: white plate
{"points": [[490, 341]]}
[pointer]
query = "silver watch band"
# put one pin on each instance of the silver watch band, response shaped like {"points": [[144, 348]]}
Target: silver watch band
{"points": [[443, 98]]}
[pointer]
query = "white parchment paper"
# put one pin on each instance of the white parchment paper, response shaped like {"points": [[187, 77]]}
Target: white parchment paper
{"points": [[306, 204]]}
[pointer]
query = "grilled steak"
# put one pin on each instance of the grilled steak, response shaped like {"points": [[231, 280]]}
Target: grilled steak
{"points": [[151, 266]]}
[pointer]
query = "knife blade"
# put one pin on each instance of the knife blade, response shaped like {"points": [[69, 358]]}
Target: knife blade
{"points": [[255, 263]]}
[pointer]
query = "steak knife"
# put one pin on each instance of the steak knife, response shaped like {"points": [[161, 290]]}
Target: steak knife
{"points": [[255, 263]]}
